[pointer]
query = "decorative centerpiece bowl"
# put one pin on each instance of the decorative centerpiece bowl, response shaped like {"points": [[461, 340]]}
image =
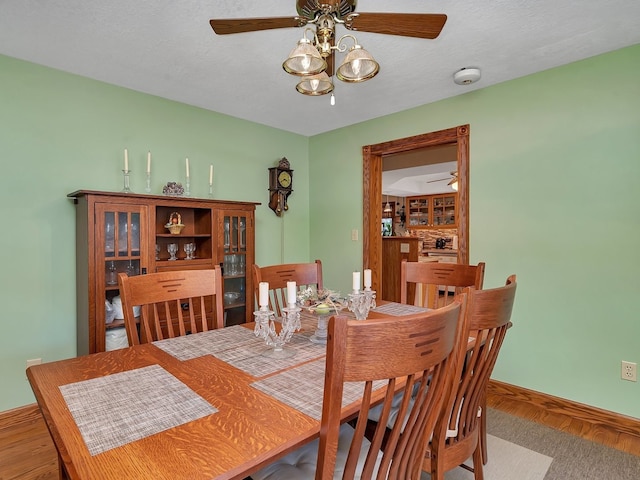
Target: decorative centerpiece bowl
{"points": [[322, 303], [173, 189]]}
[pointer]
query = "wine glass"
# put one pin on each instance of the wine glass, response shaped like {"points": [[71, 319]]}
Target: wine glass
{"points": [[193, 250], [187, 250], [172, 248]]}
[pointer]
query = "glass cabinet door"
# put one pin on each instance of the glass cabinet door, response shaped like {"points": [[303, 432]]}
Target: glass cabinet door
{"points": [[235, 266], [118, 231]]}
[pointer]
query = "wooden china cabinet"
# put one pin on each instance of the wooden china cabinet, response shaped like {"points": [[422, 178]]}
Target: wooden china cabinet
{"points": [[118, 232], [432, 211]]}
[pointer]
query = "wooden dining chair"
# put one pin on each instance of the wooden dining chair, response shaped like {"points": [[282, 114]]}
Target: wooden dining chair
{"points": [[433, 284], [408, 351], [457, 436], [304, 274], [171, 303]]}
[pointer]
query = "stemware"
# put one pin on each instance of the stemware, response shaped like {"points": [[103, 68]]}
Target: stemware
{"points": [[172, 248], [188, 249]]}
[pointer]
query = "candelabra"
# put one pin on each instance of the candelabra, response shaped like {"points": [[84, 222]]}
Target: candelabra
{"points": [[361, 302], [266, 328]]}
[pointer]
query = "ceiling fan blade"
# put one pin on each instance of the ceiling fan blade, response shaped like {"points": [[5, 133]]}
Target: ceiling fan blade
{"points": [[419, 25], [242, 25]]}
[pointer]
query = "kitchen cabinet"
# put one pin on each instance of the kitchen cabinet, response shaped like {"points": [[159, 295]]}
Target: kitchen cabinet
{"points": [[432, 211], [394, 250], [119, 232]]}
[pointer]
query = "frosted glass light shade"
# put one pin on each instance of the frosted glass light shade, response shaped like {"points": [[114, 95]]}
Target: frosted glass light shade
{"points": [[358, 66], [319, 84], [304, 60]]}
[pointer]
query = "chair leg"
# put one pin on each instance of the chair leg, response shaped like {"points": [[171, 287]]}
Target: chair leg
{"points": [[478, 473]]}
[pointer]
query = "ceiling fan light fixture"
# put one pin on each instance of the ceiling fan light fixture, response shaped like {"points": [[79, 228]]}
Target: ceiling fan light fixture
{"points": [[314, 85], [304, 59], [358, 65]]}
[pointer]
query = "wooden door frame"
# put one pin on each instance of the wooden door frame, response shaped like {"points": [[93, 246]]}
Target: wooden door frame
{"points": [[372, 191]]}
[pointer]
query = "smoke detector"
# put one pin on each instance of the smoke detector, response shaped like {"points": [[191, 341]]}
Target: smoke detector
{"points": [[466, 76]]}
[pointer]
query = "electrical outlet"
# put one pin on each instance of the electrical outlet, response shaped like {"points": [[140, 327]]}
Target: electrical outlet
{"points": [[354, 235], [629, 371]]}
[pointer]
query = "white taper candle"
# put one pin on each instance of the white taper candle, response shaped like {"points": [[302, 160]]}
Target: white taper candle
{"points": [[126, 160], [356, 281], [291, 293], [263, 298], [367, 278]]}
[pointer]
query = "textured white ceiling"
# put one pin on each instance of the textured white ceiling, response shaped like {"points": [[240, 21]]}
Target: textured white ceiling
{"points": [[167, 48]]}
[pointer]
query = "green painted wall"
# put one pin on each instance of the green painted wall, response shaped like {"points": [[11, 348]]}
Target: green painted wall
{"points": [[554, 198], [60, 133], [555, 160]]}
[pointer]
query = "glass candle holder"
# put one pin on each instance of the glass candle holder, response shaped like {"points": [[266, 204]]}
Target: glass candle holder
{"points": [[147, 187], [361, 302], [126, 188], [187, 187]]}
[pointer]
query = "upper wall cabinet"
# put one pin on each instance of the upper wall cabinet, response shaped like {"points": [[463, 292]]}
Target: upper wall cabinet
{"points": [[139, 234], [432, 211]]}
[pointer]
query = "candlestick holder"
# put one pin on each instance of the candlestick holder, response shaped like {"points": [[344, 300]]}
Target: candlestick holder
{"points": [[126, 188], [361, 302], [147, 187], [266, 328], [187, 188], [210, 191]]}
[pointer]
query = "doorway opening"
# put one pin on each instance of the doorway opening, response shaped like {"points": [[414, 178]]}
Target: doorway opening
{"points": [[373, 156]]}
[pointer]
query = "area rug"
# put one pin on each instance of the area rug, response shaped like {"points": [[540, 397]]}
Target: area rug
{"points": [[508, 461]]}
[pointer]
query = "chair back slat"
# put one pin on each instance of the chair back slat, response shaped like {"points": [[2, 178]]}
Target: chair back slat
{"points": [[173, 303], [304, 274], [414, 349]]}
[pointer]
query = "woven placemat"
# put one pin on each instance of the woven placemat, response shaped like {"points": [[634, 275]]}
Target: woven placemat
{"points": [[114, 410], [303, 387], [211, 342], [257, 359], [399, 309]]}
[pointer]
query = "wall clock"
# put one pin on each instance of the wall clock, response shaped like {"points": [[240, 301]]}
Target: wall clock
{"points": [[280, 186]]}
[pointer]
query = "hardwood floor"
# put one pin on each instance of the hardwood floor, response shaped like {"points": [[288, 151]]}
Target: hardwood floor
{"points": [[27, 451], [601, 426]]}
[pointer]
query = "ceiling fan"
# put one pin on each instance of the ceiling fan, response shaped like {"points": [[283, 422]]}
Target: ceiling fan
{"points": [[453, 181], [314, 58]]}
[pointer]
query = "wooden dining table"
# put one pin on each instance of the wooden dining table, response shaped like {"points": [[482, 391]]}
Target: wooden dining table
{"points": [[210, 405]]}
